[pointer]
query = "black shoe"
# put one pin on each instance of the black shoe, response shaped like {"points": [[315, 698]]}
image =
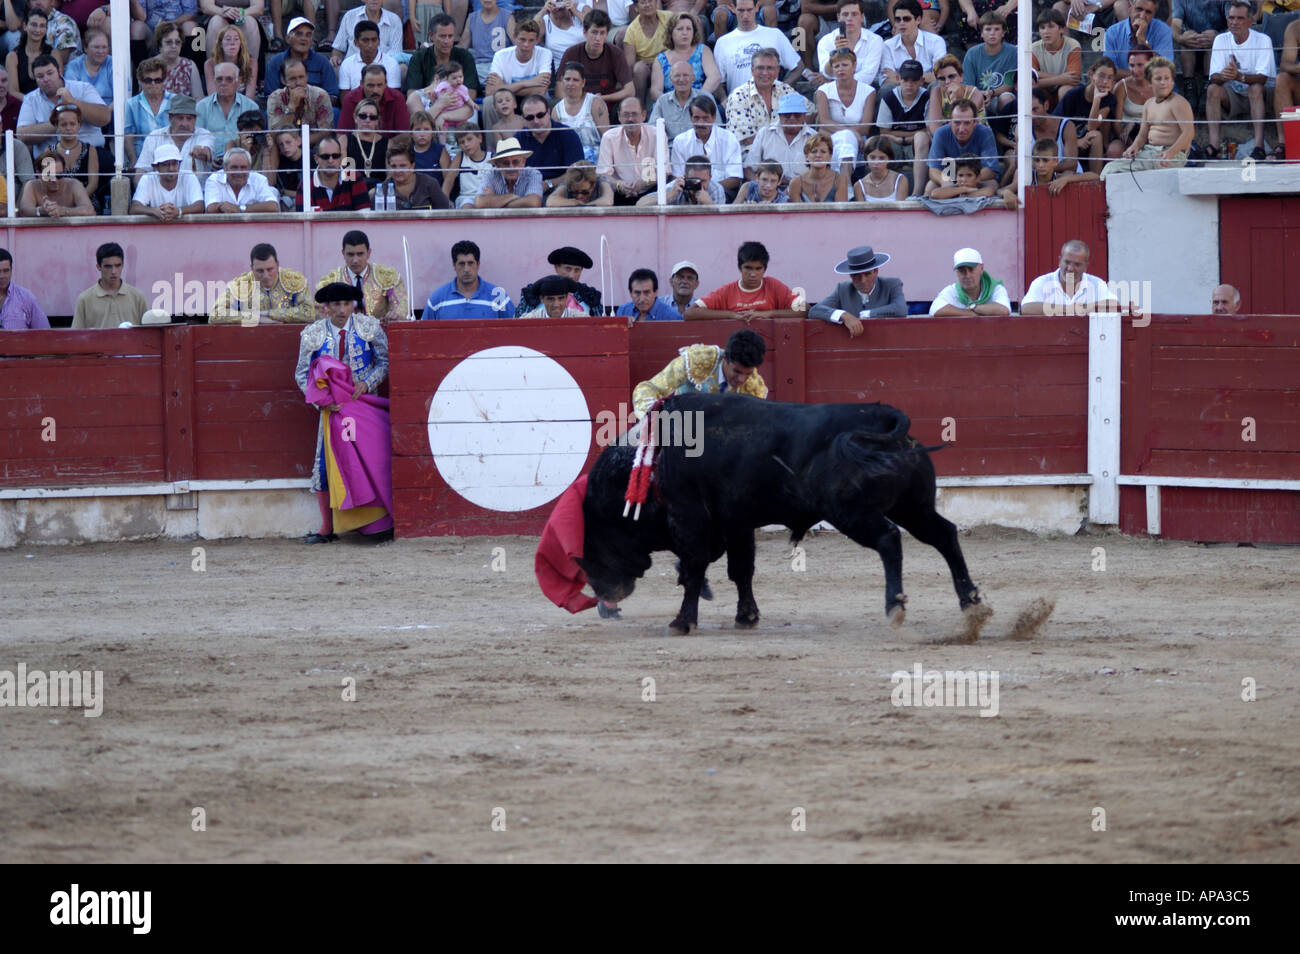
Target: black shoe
{"points": [[607, 612], [1258, 154], [321, 538], [383, 536]]}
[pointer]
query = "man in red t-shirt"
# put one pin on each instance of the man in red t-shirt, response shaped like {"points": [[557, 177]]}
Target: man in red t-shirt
{"points": [[754, 296], [604, 66]]}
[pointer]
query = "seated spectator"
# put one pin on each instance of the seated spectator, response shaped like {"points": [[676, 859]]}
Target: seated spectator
{"points": [[585, 113], [1133, 91], [110, 302], [1167, 129], [53, 194], [991, 67], [581, 186], [911, 43], [509, 123], [967, 184], [696, 186], [230, 48], [394, 115], [81, 162], [237, 188], [646, 305], [867, 47], [366, 146], [865, 295], [297, 101], [561, 26], [148, 109], [752, 105], [962, 135], [413, 190], [1194, 25], [265, 293], [383, 293], [684, 43], [674, 106], [684, 281], [467, 296], [1057, 57], [26, 49], [971, 31], [902, 120], [331, 190], [447, 99], [820, 182], [765, 188], [430, 156], [784, 139], [51, 91], [568, 262], [219, 113], [556, 294], [470, 168], [1056, 128], [10, 105], [195, 144], [285, 164], [881, 183], [366, 36], [950, 89], [524, 69], [645, 39], [733, 51], [181, 75], [975, 292], [706, 138], [441, 51], [320, 72], [1069, 290], [626, 158], [755, 295], [387, 27], [23, 171], [94, 67], [934, 15], [488, 29], [62, 33], [1142, 26], [845, 107], [246, 19], [1288, 78], [167, 194], [19, 310], [1225, 300], [552, 146], [1091, 108], [1242, 74], [604, 65], [510, 184], [1047, 171]]}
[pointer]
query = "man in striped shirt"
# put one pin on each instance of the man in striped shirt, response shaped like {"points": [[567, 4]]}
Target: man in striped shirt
{"points": [[467, 296]]}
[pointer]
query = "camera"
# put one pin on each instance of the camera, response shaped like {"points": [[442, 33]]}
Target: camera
{"points": [[692, 185]]}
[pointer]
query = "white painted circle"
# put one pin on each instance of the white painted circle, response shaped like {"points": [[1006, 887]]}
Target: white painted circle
{"points": [[509, 429]]}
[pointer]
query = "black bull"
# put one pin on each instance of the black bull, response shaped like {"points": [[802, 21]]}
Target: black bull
{"points": [[760, 463]]}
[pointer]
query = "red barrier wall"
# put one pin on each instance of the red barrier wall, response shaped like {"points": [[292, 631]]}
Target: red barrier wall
{"points": [[1076, 212], [1258, 239], [1188, 384]]}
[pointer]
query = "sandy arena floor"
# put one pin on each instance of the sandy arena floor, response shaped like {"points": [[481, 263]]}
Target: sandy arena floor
{"points": [[223, 690]]}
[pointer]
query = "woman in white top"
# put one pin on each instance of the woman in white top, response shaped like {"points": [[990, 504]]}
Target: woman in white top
{"points": [[881, 183], [845, 108], [585, 113], [561, 26]]}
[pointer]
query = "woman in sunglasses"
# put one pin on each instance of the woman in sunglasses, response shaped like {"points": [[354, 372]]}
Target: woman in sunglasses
{"points": [[367, 148]]}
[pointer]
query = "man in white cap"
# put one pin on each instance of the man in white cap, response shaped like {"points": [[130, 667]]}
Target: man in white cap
{"points": [[1069, 290], [684, 279], [195, 144], [510, 185], [782, 140], [864, 295], [167, 193], [320, 72], [975, 292]]}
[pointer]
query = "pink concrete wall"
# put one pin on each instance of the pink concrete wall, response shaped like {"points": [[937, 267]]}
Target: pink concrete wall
{"points": [[58, 261]]}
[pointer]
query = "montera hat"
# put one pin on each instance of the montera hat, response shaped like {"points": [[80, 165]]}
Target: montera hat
{"points": [[339, 291], [570, 256], [555, 285], [861, 259]]}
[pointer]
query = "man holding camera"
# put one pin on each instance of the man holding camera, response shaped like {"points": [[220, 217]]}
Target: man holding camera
{"points": [[697, 186]]}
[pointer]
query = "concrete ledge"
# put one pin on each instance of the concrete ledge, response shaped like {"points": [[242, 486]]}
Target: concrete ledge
{"points": [[1036, 509], [1237, 177]]}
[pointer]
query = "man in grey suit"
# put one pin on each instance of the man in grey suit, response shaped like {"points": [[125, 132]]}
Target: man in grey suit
{"points": [[864, 295]]}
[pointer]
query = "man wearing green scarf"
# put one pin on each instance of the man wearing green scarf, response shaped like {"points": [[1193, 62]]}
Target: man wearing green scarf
{"points": [[975, 292]]}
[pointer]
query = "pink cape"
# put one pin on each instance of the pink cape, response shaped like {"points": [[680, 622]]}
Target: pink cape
{"points": [[559, 577], [360, 438]]}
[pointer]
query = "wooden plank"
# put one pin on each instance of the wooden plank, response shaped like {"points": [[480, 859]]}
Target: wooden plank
{"points": [[82, 377], [1186, 463], [1173, 368], [74, 471], [178, 404], [253, 466], [112, 342], [253, 406], [1257, 516], [1226, 405], [267, 374], [557, 337], [238, 438], [73, 441], [235, 342], [1224, 437], [23, 412]]}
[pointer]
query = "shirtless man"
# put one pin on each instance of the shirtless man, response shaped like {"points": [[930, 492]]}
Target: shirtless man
{"points": [[1287, 92], [1167, 126]]}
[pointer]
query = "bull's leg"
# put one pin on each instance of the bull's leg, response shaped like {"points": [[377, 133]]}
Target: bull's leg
{"points": [[876, 532], [929, 527], [740, 569], [694, 564]]}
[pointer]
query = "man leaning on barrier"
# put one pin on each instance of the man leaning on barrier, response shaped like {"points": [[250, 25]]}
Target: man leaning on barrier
{"points": [[265, 293]]}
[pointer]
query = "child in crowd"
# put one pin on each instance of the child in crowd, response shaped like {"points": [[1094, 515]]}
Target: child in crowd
{"points": [[765, 188], [469, 168]]}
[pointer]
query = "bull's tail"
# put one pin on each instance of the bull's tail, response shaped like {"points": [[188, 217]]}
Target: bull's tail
{"points": [[871, 455], [897, 434]]}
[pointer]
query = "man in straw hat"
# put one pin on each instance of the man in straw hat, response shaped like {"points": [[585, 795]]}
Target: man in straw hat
{"points": [[864, 295], [359, 342], [510, 185]]}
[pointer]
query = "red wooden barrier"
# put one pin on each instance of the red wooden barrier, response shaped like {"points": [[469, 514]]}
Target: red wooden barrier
{"points": [[1212, 396], [1258, 238], [1076, 212]]}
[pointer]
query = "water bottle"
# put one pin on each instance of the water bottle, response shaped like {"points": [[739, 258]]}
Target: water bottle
{"points": [[391, 202]]}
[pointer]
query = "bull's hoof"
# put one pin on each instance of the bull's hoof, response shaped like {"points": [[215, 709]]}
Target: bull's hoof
{"points": [[897, 616], [679, 628], [745, 621], [706, 591], [973, 619]]}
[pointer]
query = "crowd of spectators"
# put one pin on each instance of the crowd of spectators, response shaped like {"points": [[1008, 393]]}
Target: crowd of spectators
{"points": [[415, 104]]}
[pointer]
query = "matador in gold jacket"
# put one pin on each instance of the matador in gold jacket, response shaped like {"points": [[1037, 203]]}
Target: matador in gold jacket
{"points": [[708, 369], [381, 285], [267, 293]]}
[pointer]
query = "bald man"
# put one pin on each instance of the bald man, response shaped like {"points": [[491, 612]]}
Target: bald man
{"points": [[1225, 300]]}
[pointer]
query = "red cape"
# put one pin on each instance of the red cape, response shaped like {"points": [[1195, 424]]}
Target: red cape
{"points": [[560, 578]]}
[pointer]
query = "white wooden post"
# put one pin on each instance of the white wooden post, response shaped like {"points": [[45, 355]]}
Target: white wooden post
{"points": [[1103, 416]]}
